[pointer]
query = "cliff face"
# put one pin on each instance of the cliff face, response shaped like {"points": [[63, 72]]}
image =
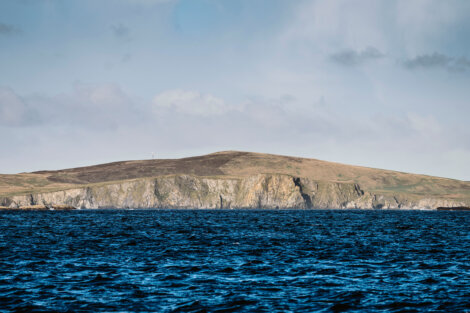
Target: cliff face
{"points": [[190, 191]]}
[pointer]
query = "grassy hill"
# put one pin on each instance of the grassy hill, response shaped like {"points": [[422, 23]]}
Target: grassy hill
{"points": [[239, 164]]}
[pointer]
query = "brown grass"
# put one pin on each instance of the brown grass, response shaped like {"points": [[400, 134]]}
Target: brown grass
{"points": [[238, 164]]}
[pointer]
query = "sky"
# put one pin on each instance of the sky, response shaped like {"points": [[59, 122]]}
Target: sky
{"points": [[376, 83]]}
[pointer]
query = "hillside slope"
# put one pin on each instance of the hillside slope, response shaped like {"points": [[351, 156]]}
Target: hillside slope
{"points": [[312, 183]]}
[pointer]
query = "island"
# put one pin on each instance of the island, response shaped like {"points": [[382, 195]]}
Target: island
{"points": [[227, 180]]}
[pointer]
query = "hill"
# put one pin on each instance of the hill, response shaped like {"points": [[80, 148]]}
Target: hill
{"points": [[237, 165]]}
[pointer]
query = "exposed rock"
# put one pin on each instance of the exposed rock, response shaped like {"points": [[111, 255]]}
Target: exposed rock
{"points": [[34, 207], [190, 191], [460, 208]]}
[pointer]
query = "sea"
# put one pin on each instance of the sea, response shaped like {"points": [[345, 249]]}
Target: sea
{"points": [[234, 261]]}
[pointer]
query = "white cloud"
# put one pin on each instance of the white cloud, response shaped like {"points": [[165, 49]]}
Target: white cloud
{"points": [[423, 24], [104, 118], [103, 106], [190, 102], [337, 25], [109, 96], [397, 27], [425, 125]]}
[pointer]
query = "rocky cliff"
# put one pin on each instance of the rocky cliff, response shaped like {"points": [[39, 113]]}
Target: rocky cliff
{"points": [[269, 191]]}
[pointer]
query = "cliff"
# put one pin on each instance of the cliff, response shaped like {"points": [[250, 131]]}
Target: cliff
{"points": [[268, 191]]}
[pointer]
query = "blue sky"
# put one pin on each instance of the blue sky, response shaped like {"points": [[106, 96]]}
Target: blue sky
{"points": [[375, 83]]}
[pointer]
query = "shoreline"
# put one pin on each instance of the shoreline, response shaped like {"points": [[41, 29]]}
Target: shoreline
{"points": [[68, 208]]}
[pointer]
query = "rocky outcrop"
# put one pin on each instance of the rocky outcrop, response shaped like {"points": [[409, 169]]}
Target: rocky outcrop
{"points": [[460, 208], [189, 191]]}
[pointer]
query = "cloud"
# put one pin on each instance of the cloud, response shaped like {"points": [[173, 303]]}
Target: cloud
{"points": [[353, 57], [190, 102], [289, 122], [438, 60], [126, 58], [428, 60], [427, 127], [396, 27], [109, 122], [121, 31], [103, 106], [13, 111], [6, 29]]}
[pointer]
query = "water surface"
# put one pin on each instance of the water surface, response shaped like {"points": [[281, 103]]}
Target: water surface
{"points": [[234, 260]]}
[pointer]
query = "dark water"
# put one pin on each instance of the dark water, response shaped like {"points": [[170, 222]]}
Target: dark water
{"points": [[224, 261]]}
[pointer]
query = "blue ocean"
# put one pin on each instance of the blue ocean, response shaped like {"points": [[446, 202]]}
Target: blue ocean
{"points": [[234, 261]]}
